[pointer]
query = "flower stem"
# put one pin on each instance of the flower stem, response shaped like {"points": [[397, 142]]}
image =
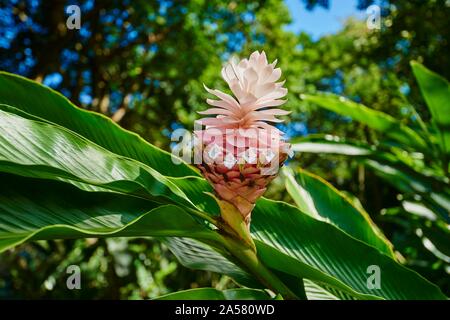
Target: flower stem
{"points": [[247, 256], [234, 235]]}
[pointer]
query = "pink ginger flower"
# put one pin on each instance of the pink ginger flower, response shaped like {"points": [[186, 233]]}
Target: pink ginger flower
{"points": [[242, 152]]}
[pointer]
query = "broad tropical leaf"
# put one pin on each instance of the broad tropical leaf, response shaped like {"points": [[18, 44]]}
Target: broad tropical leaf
{"points": [[34, 209], [214, 294], [316, 292], [435, 195], [436, 91], [295, 243], [196, 255], [42, 150], [45, 103], [374, 119], [322, 201], [399, 170], [323, 272]]}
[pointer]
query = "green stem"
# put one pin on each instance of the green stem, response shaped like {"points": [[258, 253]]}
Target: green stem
{"points": [[234, 235], [247, 256]]}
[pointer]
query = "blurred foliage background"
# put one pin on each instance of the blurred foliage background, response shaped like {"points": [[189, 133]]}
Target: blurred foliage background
{"points": [[143, 63]]}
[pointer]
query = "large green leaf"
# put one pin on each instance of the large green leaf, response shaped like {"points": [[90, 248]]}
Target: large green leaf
{"points": [[435, 195], [196, 255], [215, 294], [50, 105], [407, 161], [374, 119], [295, 243], [316, 292], [436, 91], [42, 150], [324, 144], [329, 144], [322, 201], [399, 170], [34, 209]]}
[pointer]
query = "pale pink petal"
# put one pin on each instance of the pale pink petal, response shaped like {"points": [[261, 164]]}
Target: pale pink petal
{"points": [[216, 111], [225, 97], [275, 112], [264, 103], [276, 74], [256, 93], [265, 74], [222, 104], [265, 89]]}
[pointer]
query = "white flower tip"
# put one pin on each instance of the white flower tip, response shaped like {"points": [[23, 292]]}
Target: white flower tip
{"points": [[253, 84]]}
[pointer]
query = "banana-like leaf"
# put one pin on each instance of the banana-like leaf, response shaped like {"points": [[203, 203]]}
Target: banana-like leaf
{"points": [[401, 173], [316, 292], [295, 243], [329, 144], [196, 255], [436, 241], [215, 294], [435, 195], [50, 105], [34, 209], [322, 201], [42, 150], [436, 91], [372, 118], [68, 156]]}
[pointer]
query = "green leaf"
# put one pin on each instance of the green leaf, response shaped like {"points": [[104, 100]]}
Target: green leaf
{"points": [[436, 241], [329, 144], [214, 294], [196, 255], [401, 172], [33, 209], [294, 243], [322, 201], [436, 91], [372, 118], [42, 150], [316, 292], [435, 195], [382, 152], [45, 103]]}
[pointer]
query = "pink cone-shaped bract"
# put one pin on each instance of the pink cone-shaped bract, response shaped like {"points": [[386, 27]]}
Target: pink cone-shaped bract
{"points": [[242, 150]]}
